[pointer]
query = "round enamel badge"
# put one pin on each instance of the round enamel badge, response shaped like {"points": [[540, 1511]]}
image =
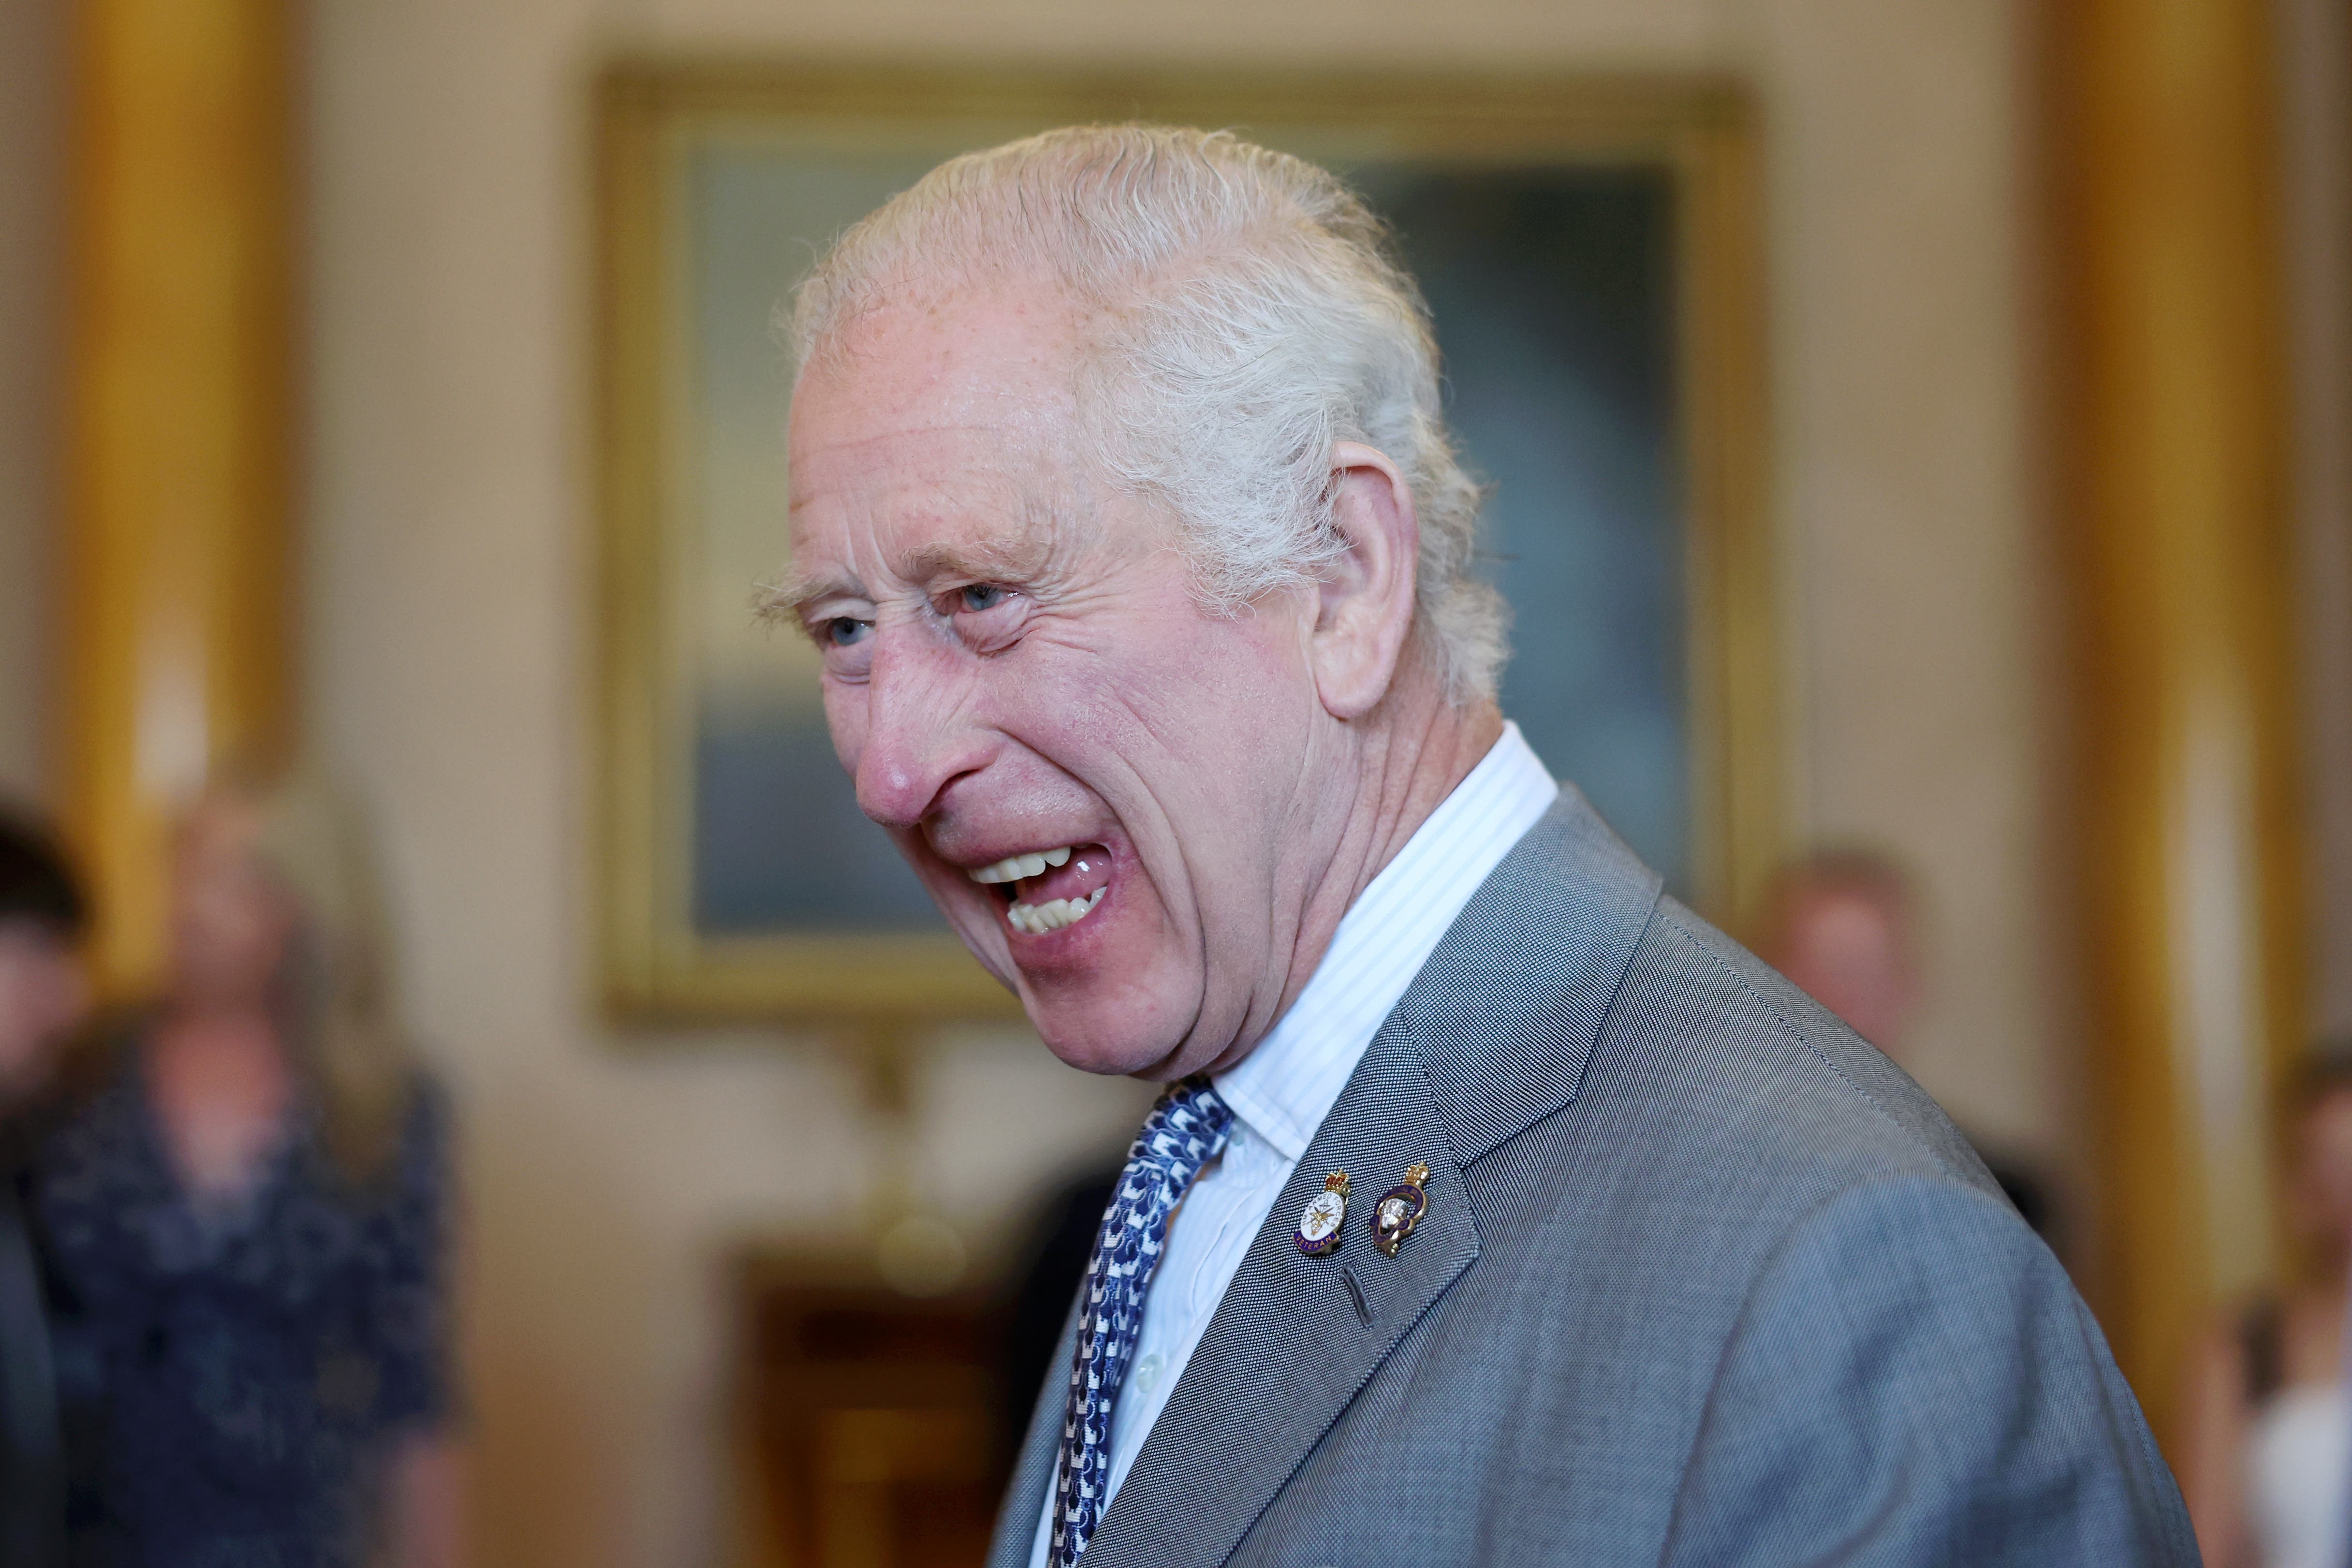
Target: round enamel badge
{"points": [[1322, 1224]]}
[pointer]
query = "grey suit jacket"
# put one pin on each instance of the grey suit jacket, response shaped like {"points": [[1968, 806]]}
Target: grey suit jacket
{"points": [[1703, 1280]]}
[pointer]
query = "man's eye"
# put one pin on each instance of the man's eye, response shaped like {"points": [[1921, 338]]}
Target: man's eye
{"points": [[842, 631], [981, 596]]}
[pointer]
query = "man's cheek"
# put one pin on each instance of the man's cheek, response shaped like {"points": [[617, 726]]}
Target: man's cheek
{"points": [[944, 882], [845, 717]]}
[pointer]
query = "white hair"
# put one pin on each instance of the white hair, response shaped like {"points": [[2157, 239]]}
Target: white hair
{"points": [[1242, 313]]}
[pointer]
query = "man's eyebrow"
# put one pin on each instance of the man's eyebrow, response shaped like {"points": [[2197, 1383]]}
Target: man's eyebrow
{"points": [[788, 598], [1022, 557], [1026, 547]]}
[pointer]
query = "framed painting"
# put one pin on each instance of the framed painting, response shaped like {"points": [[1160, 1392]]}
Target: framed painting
{"points": [[1590, 251]]}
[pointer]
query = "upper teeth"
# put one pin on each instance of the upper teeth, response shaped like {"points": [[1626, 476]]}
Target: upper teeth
{"points": [[1012, 868]]}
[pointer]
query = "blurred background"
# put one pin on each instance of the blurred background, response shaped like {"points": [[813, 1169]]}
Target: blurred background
{"points": [[314, 338]]}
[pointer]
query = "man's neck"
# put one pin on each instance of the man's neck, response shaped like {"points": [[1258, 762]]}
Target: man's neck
{"points": [[1404, 764]]}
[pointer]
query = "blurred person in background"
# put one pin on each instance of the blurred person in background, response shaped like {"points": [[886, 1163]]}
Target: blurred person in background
{"points": [[1843, 925], [247, 1220], [43, 998], [2267, 1466]]}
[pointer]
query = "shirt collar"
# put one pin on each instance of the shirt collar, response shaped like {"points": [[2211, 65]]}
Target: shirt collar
{"points": [[1285, 1087]]}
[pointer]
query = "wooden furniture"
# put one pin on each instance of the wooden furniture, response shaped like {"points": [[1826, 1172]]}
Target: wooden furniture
{"points": [[867, 1420]]}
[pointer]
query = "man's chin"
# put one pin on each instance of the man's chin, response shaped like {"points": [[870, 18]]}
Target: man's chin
{"points": [[1105, 1037]]}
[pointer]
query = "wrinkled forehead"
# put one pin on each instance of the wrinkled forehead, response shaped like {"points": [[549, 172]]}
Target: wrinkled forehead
{"points": [[947, 421], [964, 356]]}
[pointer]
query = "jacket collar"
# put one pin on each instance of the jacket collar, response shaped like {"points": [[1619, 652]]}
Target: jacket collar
{"points": [[1507, 1009], [1287, 1084]]}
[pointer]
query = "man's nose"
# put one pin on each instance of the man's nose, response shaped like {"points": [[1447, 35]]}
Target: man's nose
{"points": [[919, 735]]}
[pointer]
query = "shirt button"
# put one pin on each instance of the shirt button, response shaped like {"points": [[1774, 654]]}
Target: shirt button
{"points": [[1146, 1373]]}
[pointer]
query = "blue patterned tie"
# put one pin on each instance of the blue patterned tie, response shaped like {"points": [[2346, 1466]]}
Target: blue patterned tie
{"points": [[1185, 1131]]}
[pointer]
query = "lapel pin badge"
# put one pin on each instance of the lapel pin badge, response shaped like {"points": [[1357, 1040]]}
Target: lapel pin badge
{"points": [[1400, 1209], [1322, 1224]]}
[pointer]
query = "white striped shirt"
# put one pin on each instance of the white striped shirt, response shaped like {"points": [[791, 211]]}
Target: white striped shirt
{"points": [[1281, 1090]]}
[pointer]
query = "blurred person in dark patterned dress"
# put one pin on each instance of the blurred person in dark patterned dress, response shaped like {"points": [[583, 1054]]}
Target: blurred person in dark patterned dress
{"points": [[248, 1221]]}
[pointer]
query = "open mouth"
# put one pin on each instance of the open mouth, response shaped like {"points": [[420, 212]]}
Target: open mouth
{"points": [[1046, 890]]}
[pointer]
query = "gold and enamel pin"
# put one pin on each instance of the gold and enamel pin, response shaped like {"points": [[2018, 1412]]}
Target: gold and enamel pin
{"points": [[1322, 1224], [1400, 1209]]}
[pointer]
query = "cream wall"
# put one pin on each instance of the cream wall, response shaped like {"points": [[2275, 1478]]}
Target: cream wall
{"points": [[1919, 581], [32, 180], [449, 632]]}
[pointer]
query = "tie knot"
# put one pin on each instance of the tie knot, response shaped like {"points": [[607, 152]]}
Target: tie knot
{"points": [[1187, 1128]]}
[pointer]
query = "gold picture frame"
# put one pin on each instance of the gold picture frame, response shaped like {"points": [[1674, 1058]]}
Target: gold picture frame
{"points": [[656, 966]]}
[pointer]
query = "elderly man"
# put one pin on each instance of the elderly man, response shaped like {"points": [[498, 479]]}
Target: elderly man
{"points": [[1497, 1210]]}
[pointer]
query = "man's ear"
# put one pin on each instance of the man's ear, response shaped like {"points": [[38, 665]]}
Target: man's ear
{"points": [[1364, 600]]}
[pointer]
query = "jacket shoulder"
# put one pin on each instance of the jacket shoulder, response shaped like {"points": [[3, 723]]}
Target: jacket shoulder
{"points": [[1752, 1061]]}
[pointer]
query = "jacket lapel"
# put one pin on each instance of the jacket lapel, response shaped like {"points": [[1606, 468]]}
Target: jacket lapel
{"points": [[1494, 1035], [1296, 1337]]}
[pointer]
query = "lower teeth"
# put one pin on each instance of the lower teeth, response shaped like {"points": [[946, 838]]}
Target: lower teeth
{"points": [[1036, 919]]}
